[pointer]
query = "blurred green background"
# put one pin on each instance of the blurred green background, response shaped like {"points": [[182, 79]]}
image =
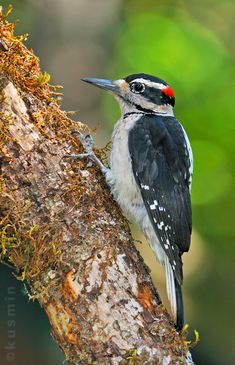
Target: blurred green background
{"points": [[191, 45]]}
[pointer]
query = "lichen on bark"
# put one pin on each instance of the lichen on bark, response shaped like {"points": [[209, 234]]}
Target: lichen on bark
{"points": [[65, 235]]}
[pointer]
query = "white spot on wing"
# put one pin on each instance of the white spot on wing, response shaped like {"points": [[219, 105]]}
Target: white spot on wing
{"points": [[145, 187], [154, 205], [160, 226]]}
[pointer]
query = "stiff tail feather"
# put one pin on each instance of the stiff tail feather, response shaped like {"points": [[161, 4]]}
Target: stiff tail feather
{"points": [[179, 305], [174, 293]]}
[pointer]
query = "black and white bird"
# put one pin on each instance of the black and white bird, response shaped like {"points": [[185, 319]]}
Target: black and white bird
{"points": [[150, 172]]}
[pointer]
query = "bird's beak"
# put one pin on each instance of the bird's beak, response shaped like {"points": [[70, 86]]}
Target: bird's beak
{"points": [[103, 84]]}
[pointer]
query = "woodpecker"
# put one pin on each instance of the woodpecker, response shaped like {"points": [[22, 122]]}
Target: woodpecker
{"points": [[150, 172]]}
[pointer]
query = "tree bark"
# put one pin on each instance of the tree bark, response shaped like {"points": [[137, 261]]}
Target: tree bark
{"points": [[64, 234]]}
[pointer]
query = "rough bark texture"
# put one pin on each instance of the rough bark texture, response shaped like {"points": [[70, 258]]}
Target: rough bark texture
{"points": [[65, 235]]}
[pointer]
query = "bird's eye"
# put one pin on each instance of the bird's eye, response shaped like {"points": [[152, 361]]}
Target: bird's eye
{"points": [[137, 87]]}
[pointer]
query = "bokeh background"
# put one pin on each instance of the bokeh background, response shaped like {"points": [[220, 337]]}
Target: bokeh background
{"points": [[191, 45]]}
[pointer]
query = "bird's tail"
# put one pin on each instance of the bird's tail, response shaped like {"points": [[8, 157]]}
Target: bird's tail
{"points": [[179, 306], [174, 293]]}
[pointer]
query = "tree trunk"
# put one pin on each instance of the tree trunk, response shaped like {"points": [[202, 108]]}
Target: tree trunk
{"points": [[65, 235]]}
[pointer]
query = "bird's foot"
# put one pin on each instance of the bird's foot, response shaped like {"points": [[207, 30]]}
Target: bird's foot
{"points": [[88, 144]]}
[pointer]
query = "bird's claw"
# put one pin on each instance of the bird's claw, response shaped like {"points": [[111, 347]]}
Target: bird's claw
{"points": [[87, 143], [86, 140]]}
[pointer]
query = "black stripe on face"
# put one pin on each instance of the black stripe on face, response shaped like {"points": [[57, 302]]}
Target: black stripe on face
{"points": [[156, 96], [137, 106]]}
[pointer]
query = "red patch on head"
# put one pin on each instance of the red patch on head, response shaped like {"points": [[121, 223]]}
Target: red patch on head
{"points": [[168, 92]]}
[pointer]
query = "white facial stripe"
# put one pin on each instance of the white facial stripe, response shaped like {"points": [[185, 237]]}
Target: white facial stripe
{"points": [[156, 85]]}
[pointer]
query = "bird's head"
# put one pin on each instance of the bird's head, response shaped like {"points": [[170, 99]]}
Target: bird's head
{"points": [[139, 92]]}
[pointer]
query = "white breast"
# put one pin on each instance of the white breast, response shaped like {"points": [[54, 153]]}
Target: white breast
{"points": [[122, 180]]}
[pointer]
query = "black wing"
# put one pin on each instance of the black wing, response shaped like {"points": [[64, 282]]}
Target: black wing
{"points": [[161, 164]]}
